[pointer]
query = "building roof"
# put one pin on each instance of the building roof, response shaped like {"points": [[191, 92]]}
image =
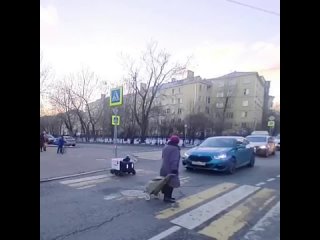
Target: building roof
{"points": [[183, 82], [235, 74]]}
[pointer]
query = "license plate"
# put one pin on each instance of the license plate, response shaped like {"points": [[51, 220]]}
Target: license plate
{"points": [[199, 163]]}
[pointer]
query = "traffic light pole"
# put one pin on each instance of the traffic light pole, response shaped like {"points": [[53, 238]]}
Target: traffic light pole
{"points": [[115, 133]]}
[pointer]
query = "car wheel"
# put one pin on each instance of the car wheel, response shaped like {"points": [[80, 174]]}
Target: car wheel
{"points": [[252, 161], [232, 168], [266, 153]]}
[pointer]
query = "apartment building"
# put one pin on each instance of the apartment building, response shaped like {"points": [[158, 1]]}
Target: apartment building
{"points": [[236, 100]]}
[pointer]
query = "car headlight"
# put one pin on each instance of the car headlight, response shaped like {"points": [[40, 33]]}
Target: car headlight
{"points": [[186, 155], [262, 147], [221, 156]]}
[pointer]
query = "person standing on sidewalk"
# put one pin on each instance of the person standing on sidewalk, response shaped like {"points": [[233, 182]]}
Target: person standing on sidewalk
{"points": [[61, 143], [170, 165], [42, 142]]}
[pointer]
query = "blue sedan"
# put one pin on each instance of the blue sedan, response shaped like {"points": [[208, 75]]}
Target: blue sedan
{"points": [[223, 154]]}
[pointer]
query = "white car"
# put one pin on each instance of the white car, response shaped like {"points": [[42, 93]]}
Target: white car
{"points": [[262, 144], [277, 141], [260, 133]]}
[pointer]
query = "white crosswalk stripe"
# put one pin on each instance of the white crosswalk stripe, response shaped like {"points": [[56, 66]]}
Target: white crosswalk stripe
{"points": [[87, 182]]}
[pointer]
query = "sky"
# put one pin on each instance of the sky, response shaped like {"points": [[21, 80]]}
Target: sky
{"points": [[220, 35]]}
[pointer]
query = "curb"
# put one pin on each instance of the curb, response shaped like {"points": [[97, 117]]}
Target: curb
{"points": [[73, 175]]}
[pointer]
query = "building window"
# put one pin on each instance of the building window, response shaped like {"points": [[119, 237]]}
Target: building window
{"points": [[217, 115], [208, 87], [229, 115], [246, 91], [208, 100], [220, 94], [207, 110], [179, 90], [172, 91], [200, 88], [244, 114], [243, 125], [179, 100], [245, 103], [232, 82], [219, 105], [179, 110], [220, 84], [179, 120], [168, 110], [172, 120], [172, 100], [229, 105], [229, 93]]}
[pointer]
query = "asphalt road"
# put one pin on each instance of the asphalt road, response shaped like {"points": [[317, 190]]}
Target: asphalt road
{"points": [[210, 205]]}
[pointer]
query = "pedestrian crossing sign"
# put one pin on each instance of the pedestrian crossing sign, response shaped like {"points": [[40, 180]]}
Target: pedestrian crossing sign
{"points": [[115, 120], [116, 97]]}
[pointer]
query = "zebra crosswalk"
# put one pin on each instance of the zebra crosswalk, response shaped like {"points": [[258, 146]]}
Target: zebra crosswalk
{"points": [[225, 211]]}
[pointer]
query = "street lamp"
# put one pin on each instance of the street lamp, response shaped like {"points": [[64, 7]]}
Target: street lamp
{"points": [[185, 134]]}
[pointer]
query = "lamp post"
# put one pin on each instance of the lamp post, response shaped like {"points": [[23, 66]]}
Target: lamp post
{"points": [[185, 134]]}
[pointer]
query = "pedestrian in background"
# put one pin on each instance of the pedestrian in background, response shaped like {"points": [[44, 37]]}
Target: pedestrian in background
{"points": [[42, 142], [61, 143], [170, 165]]}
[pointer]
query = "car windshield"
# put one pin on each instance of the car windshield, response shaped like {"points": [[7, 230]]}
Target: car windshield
{"points": [[256, 139], [218, 142]]}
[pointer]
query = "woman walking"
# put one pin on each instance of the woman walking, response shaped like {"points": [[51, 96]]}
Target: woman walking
{"points": [[170, 165]]}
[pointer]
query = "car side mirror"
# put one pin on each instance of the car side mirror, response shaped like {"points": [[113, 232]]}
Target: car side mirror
{"points": [[240, 145]]}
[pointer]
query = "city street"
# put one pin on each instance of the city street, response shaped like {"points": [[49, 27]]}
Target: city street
{"points": [[101, 206]]}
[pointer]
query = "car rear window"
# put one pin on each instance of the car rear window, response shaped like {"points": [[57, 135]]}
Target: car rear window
{"points": [[257, 139]]}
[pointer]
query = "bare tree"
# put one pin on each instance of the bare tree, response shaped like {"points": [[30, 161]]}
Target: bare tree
{"points": [[61, 101], [224, 100], [85, 87], [51, 124], [197, 123], [146, 78], [45, 75]]}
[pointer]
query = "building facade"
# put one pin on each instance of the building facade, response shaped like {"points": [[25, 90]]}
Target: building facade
{"points": [[235, 101]]}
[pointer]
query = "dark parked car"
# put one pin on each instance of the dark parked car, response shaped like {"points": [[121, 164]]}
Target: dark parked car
{"points": [[223, 154]]}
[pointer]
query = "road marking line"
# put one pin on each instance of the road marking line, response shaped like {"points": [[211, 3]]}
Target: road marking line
{"points": [[81, 184], [101, 159], [196, 217], [88, 186], [184, 178], [260, 184], [271, 179], [165, 233], [84, 179], [73, 175], [278, 176], [233, 221], [266, 220], [192, 200]]}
